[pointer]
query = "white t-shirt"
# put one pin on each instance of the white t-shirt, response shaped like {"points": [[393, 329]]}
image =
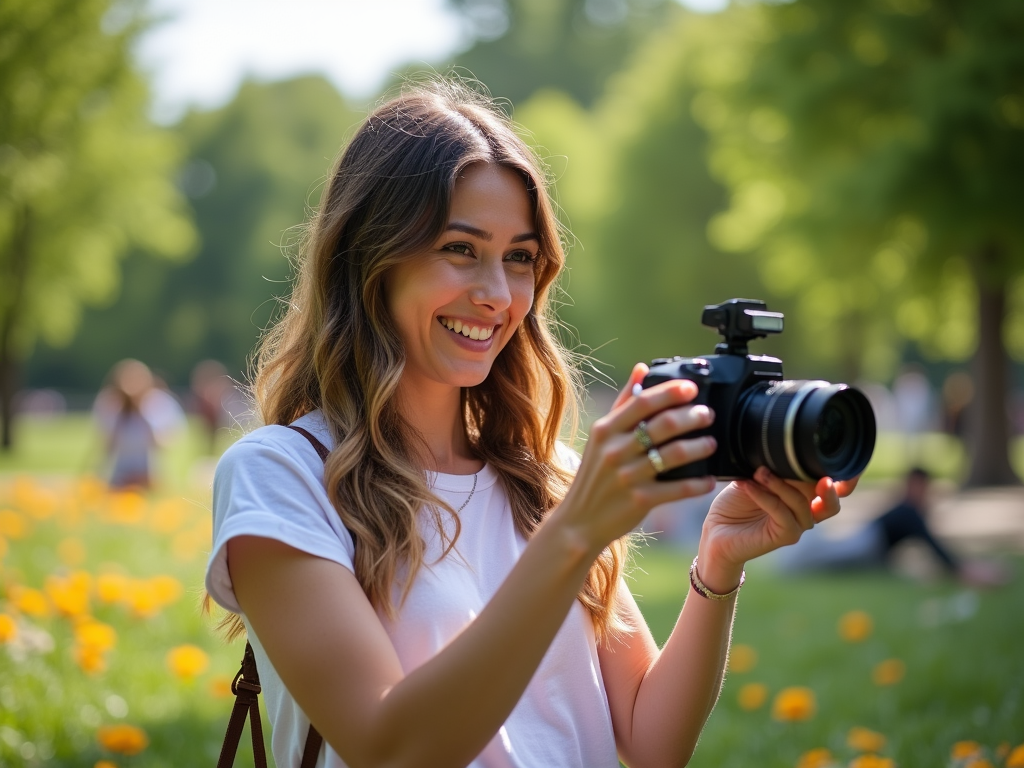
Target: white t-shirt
{"points": [[270, 484]]}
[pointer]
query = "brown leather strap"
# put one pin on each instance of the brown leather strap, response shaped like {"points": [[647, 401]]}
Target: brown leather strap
{"points": [[246, 687]]}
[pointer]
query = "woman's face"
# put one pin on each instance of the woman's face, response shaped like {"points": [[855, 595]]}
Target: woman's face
{"points": [[457, 305]]}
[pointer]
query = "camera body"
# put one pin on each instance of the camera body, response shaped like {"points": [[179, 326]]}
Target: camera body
{"points": [[802, 430]]}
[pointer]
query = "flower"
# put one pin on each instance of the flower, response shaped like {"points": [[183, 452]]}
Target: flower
{"points": [[864, 740], [187, 661], [30, 601], [95, 634], [752, 696], [978, 762], [124, 739], [12, 525], [70, 594], [742, 658], [855, 626], [965, 749], [125, 508], [872, 761], [112, 587], [8, 629], [888, 672], [104, 764], [816, 758], [1016, 758], [794, 703], [220, 686], [166, 589]]}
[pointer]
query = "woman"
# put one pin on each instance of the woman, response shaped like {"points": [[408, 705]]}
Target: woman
{"points": [[446, 588]]}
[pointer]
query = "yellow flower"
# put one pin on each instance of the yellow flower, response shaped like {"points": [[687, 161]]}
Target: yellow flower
{"points": [[90, 659], [166, 589], [70, 594], [112, 587], [125, 508], [30, 601], [95, 634], [855, 626], [965, 749], [795, 703], [71, 551], [104, 764], [872, 761], [864, 740], [1016, 758], [816, 758], [752, 696], [124, 739], [742, 658], [8, 629], [187, 661], [888, 672], [12, 525]]}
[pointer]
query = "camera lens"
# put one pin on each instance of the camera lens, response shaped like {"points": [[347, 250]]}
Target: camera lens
{"points": [[805, 430]]}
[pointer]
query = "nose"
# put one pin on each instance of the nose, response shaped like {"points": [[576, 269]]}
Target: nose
{"points": [[491, 288]]}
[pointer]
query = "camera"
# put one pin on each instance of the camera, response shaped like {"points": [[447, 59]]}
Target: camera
{"points": [[801, 429]]}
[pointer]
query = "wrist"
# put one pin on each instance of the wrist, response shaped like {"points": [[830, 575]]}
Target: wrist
{"points": [[716, 572]]}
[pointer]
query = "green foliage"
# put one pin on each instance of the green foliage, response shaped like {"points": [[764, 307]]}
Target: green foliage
{"points": [[84, 176], [255, 170]]}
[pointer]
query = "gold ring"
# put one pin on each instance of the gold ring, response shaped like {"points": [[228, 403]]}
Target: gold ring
{"points": [[642, 436], [655, 458]]}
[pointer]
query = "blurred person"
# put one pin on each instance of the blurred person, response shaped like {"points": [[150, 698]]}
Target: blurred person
{"points": [[444, 585], [211, 391], [135, 415], [957, 394], [873, 545]]}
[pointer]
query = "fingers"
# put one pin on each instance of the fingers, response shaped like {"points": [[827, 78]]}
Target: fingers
{"points": [[676, 453], [632, 410], [796, 497], [636, 376], [845, 487], [826, 504]]}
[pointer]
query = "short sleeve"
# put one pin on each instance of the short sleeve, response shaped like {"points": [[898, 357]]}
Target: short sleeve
{"points": [[270, 484]]}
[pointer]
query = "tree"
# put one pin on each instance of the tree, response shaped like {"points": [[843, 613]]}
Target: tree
{"points": [[254, 170], [874, 151], [84, 176]]}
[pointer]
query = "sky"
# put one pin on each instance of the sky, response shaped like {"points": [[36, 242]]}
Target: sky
{"points": [[202, 49]]}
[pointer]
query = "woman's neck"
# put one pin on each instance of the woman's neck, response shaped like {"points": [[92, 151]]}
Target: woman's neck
{"points": [[437, 418]]}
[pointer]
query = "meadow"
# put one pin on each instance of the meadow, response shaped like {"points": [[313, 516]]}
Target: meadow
{"points": [[108, 661]]}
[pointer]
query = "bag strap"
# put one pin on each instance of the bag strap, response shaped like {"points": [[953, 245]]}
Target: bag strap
{"points": [[246, 687]]}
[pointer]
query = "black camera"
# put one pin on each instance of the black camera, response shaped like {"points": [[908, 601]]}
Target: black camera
{"points": [[801, 430]]}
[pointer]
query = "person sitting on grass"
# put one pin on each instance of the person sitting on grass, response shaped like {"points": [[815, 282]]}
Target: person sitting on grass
{"points": [[446, 588]]}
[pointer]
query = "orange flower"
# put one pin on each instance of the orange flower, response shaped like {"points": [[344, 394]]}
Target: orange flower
{"points": [[30, 601], [70, 594], [855, 626], [104, 764], [742, 658], [125, 508], [816, 758], [795, 703], [124, 739], [220, 686], [166, 589], [90, 659], [752, 696], [187, 661], [1016, 758], [112, 587], [95, 634], [864, 740], [8, 629], [965, 749], [872, 761], [12, 525], [888, 672]]}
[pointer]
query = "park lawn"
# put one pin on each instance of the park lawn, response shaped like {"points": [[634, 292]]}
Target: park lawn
{"points": [[961, 651]]}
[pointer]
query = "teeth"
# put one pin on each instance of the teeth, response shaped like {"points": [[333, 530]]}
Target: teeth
{"points": [[470, 331]]}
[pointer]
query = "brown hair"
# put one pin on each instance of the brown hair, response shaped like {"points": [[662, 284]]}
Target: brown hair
{"points": [[336, 348]]}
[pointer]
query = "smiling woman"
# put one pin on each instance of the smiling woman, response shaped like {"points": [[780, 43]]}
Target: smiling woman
{"points": [[442, 584]]}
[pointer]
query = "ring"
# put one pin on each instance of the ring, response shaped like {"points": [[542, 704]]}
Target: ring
{"points": [[642, 436], [655, 458]]}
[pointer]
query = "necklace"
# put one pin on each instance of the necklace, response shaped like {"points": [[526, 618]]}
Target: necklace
{"points": [[468, 498]]}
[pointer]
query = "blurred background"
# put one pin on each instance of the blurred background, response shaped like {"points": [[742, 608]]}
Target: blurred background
{"points": [[857, 165]]}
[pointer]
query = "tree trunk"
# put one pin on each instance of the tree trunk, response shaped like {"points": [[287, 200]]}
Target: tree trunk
{"points": [[988, 428], [10, 310]]}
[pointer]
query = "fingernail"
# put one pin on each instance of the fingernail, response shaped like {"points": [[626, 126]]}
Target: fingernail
{"points": [[711, 442], [637, 389]]}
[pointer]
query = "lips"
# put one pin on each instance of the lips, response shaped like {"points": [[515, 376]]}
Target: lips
{"points": [[469, 330]]}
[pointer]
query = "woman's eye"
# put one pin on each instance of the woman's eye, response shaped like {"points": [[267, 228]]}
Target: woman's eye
{"points": [[523, 257], [464, 248]]}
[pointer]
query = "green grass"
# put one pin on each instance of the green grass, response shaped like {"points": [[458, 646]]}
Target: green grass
{"points": [[962, 650]]}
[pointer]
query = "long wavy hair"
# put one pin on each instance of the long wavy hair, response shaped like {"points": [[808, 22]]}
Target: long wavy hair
{"points": [[336, 348]]}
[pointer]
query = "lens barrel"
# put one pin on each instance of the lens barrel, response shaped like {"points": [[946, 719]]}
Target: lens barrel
{"points": [[806, 430]]}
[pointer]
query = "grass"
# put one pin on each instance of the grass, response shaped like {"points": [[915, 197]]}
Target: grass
{"points": [[964, 669]]}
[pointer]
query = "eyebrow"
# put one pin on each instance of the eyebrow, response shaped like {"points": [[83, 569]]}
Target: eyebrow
{"points": [[484, 235]]}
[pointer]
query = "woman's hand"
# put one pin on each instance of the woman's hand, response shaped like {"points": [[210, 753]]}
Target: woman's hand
{"points": [[752, 517], [615, 486]]}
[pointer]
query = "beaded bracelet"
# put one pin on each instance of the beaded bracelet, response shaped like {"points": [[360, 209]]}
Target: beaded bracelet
{"points": [[703, 591]]}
